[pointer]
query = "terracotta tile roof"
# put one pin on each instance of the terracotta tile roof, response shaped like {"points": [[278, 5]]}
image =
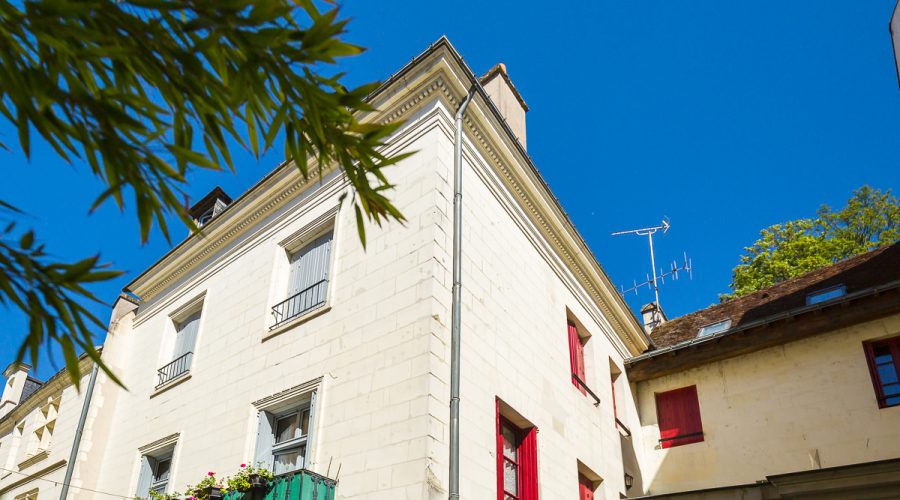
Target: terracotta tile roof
{"points": [[874, 268]]}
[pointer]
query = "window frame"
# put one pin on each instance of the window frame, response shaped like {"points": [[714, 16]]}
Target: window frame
{"points": [[811, 297], [297, 401], [526, 459], [283, 293], [689, 395], [157, 484], [711, 326], [893, 345]]}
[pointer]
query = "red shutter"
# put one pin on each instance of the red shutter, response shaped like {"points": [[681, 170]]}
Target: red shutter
{"points": [[585, 488], [678, 414], [528, 468], [499, 453], [576, 357], [612, 381]]}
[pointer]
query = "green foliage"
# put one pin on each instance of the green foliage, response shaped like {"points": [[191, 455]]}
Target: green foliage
{"points": [[200, 490], [871, 219], [145, 91], [241, 480], [164, 496]]}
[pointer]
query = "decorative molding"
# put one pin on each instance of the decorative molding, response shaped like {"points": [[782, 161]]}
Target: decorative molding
{"points": [[188, 308], [159, 444], [319, 225], [31, 477], [287, 394], [33, 459]]}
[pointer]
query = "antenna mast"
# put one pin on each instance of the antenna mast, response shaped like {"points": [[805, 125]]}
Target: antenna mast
{"points": [[674, 268]]}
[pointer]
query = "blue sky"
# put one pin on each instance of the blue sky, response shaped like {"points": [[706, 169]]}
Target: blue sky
{"points": [[725, 117]]}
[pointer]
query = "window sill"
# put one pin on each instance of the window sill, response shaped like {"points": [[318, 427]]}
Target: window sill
{"points": [[37, 457], [170, 384], [291, 323]]}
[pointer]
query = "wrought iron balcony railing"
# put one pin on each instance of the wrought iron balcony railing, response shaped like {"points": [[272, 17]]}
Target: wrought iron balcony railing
{"points": [[299, 485], [306, 300], [175, 369]]}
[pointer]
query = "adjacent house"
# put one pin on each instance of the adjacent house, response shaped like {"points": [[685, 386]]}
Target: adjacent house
{"points": [[272, 337], [788, 392]]}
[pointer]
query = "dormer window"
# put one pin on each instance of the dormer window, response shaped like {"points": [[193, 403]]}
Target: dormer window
{"points": [[714, 328], [210, 206], [826, 294]]}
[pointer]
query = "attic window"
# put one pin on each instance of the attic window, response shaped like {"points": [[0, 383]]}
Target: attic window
{"points": [[826, 294], [714, 328]]}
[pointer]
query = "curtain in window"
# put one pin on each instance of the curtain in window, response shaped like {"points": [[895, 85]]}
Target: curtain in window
{"points": [[309, 273]]}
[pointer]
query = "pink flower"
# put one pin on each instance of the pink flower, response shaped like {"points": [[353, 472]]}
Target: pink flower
{"points": [[210, 473], [243, 465]]}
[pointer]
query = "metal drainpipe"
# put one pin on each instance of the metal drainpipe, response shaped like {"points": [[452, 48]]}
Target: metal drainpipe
{"points": [[70, 467], [455, 304]]}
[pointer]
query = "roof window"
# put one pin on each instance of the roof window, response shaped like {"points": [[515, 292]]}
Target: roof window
{"points": [[826, 294], [714, 328]]}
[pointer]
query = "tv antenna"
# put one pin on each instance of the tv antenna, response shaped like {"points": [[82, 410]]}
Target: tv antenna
{"points": [[674, 268]]}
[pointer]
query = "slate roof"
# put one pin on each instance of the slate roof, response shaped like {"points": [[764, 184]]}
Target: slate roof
{"points": [[862, 272]]}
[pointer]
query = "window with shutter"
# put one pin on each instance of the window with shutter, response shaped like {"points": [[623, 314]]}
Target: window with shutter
{"points": [[678, 414], [186, 329], [284, 437], [307, 279], [883, 357], [517, 477], [576, 357], [154, 473]]}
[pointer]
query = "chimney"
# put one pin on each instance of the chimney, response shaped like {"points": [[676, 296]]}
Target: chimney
{"points": [[653, 316], [16, 377], [497, 84]]}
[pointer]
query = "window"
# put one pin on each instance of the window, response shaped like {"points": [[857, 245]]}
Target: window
{"points": [[614, 373], [284, 436], [826, 294], [576, 357], [516, 460], [154, 475], [883, 357], [186, 328], [714, 328], [307, 279], [678, 414]]}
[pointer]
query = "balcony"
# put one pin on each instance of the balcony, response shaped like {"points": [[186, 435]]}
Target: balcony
{"points": [[180, 366], [305, 301], [300, 485]]}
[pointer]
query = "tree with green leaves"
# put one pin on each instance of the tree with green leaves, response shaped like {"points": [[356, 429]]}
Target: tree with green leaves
{"points": [[870, 219], [142, 92]]}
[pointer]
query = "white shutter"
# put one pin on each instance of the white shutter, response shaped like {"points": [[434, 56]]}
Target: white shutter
{"points": [[187, 335], [309, 274], [311, 430], [145, 477], [265, 438]]}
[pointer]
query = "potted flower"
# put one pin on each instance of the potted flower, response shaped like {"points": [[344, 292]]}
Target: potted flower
{"points": [[208, 489], [250, 478]]}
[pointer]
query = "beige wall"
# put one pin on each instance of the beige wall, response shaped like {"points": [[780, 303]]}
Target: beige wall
{"points": [[795, 407]]}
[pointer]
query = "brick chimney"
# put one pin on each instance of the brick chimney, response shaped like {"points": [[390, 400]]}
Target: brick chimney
{"points": [[507, 99], [652, 316]]}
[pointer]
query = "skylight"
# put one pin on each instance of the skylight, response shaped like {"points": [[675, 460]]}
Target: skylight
{"points": [[826, 294], [714, 328]]}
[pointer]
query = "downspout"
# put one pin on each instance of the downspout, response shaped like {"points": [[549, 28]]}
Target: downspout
{"points": [[70, 466], [456, 303]]}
